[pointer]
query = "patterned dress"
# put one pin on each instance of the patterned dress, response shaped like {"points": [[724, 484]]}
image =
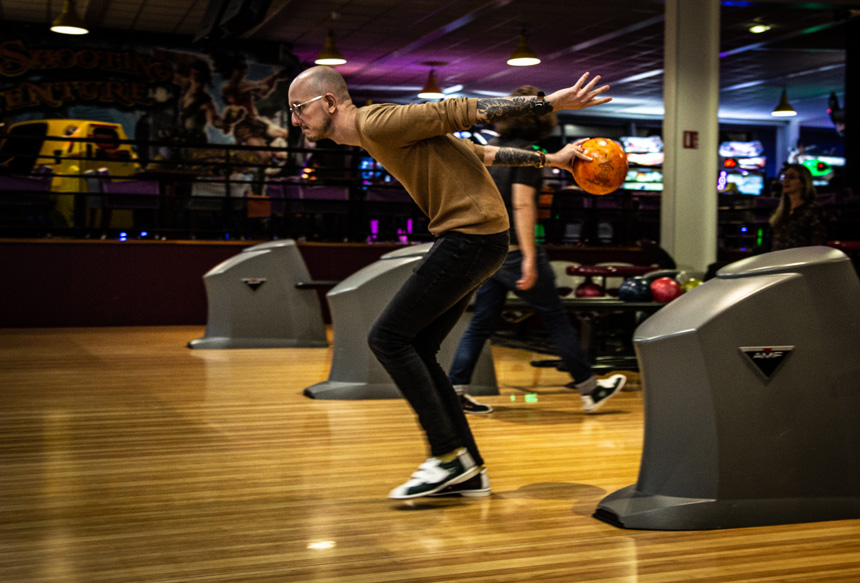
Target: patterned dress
{"points": [[804, 226]]}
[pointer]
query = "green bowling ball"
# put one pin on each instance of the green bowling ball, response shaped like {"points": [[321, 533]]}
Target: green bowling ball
{"points": [[690, 284]]}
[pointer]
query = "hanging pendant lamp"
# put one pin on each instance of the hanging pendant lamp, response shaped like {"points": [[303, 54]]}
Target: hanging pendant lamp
{"points": [[523, 55], [68, 22], [431, 88], [783, 108], [329, 55]]}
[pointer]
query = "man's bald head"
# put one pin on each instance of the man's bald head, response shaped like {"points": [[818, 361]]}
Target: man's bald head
{"points": [[321, 80]]}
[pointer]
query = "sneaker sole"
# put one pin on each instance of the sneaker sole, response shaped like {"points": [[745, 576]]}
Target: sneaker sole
{"points": [[463, 494], [455, 480], [478, 412], [472, 494]]}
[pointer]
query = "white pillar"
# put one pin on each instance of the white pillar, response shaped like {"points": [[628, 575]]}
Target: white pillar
{"points": [[691, 92], [787, 136]]}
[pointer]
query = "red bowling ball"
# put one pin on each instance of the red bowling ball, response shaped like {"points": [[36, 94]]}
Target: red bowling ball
{"points": [[589, 290], [665, 289]]}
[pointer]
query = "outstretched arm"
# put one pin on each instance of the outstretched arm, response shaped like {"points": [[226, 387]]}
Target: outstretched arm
{"points": [[579, 96], [496, 156]]}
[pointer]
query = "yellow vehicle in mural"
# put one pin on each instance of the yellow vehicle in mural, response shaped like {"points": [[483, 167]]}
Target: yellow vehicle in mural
{"points": [[69, 147]]}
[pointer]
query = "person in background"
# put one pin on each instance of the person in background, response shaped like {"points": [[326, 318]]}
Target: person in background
{"points": [[449, 182], [799, 220], [527, 273]]}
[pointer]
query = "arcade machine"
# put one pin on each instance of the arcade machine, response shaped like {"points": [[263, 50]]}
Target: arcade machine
{"points": [[744, 191], [826, 170], [255, 301], [645, 181], [355, 303], [742, 168], [751, 386], [645, 159]]}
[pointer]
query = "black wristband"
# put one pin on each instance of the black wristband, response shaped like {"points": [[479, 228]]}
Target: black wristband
{"points": [[539, 105]]}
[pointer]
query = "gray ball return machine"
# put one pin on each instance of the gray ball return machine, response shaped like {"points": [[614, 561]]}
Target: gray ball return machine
{"points": [[354, 304], [751, 386], [255, 301]]}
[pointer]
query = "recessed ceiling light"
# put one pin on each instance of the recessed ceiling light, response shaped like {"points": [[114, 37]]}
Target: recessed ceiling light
{"points": [[759, 28]]}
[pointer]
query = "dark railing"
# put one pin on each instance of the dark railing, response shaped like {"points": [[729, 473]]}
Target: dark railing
{"points": [[174, 190]]}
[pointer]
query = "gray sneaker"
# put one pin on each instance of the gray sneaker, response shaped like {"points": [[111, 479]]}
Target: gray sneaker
{"points": [[605, 390], [434, 475]]}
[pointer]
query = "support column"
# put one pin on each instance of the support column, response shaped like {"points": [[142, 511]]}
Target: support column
{"points": [[787, 136], [691, 91]]}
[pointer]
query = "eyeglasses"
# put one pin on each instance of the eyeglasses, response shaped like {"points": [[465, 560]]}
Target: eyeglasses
{"points": [[789, 177], [297, 108]]}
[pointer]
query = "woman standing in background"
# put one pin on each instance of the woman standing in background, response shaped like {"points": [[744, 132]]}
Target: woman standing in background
{"points": [[799, 220]]}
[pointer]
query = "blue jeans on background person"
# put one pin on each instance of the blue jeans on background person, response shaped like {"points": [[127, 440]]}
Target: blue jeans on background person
{"points": [[543, 297], [408, 334]]}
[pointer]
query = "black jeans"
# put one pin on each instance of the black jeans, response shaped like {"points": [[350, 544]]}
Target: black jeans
{"points": [[543, 297], [407, 335]]}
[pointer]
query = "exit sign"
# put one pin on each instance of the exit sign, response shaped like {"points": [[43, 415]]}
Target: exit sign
{"points": [[691, 140]]}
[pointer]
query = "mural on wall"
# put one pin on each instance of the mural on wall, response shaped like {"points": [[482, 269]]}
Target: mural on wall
{"points": [[180, 100], [223, 98]]}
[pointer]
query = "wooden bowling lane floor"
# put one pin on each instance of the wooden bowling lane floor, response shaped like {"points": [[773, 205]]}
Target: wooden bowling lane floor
{"points": [[126, 457]]}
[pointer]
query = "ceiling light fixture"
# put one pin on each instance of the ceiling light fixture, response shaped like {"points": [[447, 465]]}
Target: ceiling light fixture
{"points": [[759, 28], [523, 55], [68, 22], [431, 88], [330, 55], [783, 108]]}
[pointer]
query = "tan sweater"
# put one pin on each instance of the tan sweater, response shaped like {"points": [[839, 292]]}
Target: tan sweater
{"points": [[445, 175]]}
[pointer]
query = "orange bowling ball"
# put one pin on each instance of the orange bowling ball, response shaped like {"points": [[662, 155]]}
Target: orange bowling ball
{"points": [[606, 171]]}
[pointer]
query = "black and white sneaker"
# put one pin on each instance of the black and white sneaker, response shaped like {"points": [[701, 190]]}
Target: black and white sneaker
{"points": [[477, 486], [605, 390], [470, 405], [434, 475]]}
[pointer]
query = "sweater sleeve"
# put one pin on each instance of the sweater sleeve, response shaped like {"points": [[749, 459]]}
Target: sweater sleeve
{"points": [[477, 148], [407, 124]]}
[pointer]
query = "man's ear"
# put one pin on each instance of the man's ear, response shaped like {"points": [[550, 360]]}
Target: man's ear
{"points": [[330, 101]]}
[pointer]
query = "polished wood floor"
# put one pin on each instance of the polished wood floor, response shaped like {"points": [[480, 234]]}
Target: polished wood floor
{"points": [[126, 457]]}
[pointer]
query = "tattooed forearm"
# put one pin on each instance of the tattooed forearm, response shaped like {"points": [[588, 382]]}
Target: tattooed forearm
{"points": [[516, 157], [491, 110]]}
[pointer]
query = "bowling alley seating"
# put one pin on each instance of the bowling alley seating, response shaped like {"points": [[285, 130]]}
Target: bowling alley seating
{"points": [[27, 193], [109, 195], [326, 207], [26, 189], [324, 194], [127, 194], [207, 193], [285, 196], [388, 210], [209, 201], [388, 195]]}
